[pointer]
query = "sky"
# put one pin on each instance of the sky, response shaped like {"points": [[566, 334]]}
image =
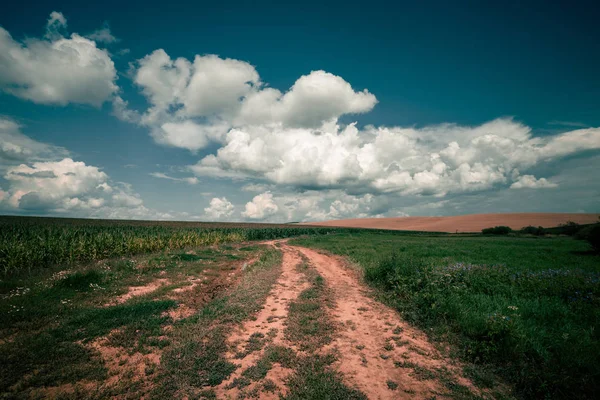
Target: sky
{"points": [[272, 112]]}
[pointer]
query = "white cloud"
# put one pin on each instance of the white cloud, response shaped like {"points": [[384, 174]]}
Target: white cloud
{"points": [[56, 23], [530, 182], [123, 199], [210, 86], [56, 70], [255, 187], [317, 206], [219, 208], [42, 179], [69, 187], [192, 180], [103, 35], [314, 99], [261, 207], [434, 160], [16, 147], [188, 134], [53, 184], [193, 104]]}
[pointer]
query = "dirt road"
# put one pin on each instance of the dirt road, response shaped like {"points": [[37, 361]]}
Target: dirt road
{"points": [[377, 352]]}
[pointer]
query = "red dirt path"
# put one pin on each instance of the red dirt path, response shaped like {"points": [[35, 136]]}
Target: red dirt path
{"points": [[462, 223]]}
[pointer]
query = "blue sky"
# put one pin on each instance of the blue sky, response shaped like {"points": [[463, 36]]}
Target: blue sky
{"points": [[265, 111]]}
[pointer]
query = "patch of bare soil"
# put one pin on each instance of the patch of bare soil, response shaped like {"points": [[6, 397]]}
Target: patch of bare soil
{"points": [[135, 291], [247, 343], [123, 370], [376, 348], [181, 312], [121, 364], [463, 223]]}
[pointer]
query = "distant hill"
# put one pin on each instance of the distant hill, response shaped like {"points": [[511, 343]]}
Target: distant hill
{"points": [[463, 223]]}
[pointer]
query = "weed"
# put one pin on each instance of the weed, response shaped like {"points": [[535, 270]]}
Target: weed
{"points": [[269, 386], [308, 323], [313, 379]]}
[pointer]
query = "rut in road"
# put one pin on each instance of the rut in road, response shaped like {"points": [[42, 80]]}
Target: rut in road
{"points": [[377, 352]]}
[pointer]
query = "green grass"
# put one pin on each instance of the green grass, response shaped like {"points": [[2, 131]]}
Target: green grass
{"points": [[31, 243], [525, 308], [308, 324], [314, 379], [58, 355]]}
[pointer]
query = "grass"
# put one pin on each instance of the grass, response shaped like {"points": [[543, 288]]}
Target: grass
{"points": [[196, 360], [30, 243], [307, 322], [309, 328], [526, 309], [50, 318], [313, 379]]}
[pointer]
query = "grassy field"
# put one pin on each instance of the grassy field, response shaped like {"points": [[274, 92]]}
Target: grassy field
{"points": [[82, 333], [95, 309], [525, 309]]}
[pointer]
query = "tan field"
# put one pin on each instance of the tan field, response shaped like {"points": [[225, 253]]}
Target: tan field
{"points": [[463, 223]]}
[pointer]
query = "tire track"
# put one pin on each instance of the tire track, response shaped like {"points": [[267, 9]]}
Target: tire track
{"points": [[270, 324]]}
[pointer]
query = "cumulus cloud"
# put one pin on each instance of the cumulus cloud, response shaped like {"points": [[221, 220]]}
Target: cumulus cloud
{"points": [[192, 180], [44, 180], [188, 134], [56, 69], [72, 188], [316, 205], [530, 182], [294, 138], [195, 103], [312, 100], [219, 208], [207, 87], [261, 207], [434, 160], [55, 184]]}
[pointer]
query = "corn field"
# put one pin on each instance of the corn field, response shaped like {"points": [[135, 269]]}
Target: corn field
{"points": [[29, 243]]}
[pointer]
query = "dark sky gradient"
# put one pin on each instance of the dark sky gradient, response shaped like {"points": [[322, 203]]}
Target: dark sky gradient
{"points": [[427, 62]]}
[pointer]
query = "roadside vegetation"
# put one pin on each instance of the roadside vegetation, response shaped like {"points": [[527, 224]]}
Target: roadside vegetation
{"points": [[524, 309]]}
